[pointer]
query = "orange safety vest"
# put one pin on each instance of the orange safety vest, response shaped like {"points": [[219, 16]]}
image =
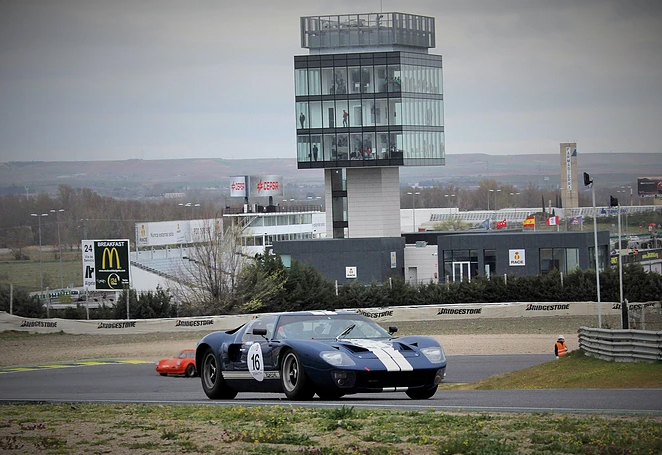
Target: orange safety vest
{"points": [[561, 349]]}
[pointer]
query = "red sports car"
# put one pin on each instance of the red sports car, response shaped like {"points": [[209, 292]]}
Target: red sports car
{"points": [[183, 363]]}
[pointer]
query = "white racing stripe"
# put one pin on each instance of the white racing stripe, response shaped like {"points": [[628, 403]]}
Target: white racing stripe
{"points": [[393, 360]]}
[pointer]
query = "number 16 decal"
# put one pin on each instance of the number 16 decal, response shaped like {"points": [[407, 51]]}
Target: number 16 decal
{"points": [[255, 362]]}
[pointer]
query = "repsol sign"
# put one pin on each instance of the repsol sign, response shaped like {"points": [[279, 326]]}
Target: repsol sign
{"points": [[460, 311], [196, 323], [377, 314], [49, 324], [117, 325], [534, 307]]}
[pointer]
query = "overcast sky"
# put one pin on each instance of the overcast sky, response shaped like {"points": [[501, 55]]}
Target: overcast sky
{"points": [[115, 79]]}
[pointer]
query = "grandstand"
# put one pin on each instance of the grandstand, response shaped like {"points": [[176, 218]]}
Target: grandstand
{"points": [[517, 216]]}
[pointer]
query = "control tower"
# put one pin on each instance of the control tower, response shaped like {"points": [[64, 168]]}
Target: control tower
{"points": [[369, 99]]}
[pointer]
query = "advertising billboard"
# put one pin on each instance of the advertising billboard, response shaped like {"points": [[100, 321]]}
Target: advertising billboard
{"points": [[206, 230], [238, 186], [649, 186], [162, 233], [265, 185], [256, 185], [105, 264]]}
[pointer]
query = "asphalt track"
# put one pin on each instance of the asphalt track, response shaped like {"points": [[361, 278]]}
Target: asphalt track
{"points": [[138, 382]]}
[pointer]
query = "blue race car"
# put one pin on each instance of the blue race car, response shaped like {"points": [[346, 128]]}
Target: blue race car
{"points": [[330, 354]]}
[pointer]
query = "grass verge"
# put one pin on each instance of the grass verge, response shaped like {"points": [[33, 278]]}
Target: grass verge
{"points": [[574, 371], [124, 429]]}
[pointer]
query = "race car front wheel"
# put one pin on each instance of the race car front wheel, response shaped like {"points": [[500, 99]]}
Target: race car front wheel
{"points": [[213, 383], [296, 384]]}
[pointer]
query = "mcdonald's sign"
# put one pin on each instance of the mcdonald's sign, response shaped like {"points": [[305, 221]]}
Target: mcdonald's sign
{"points": [[106, 264]]}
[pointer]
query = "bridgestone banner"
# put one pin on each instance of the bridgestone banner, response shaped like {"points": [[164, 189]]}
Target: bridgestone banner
{"points": [[106, 265], [389, 315]]}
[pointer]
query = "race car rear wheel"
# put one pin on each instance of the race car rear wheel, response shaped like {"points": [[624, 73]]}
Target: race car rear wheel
{"points": [[295, 382], [190, 371], [212, 380], [422, 393]]}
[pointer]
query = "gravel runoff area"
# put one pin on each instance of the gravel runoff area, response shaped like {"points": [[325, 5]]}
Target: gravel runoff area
{"points": [[532, 335]]}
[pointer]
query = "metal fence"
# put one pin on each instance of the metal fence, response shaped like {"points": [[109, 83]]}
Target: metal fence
{"points": [[621, 345]]}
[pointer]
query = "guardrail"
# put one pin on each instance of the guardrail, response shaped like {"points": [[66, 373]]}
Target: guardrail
{"points": [[621, 345]]}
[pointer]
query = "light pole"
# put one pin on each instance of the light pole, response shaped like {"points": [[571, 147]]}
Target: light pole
{"points": [[515, 194], [413, 209], [41, 269], [59, 244], [624, 312], [495, 200], [450, 200], [588, 181], [189, 204]]}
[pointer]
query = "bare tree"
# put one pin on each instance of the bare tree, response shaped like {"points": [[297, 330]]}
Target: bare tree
{"points": [[210, 275], [17, 239]]}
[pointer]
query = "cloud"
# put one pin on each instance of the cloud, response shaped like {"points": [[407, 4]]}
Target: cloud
{"points": [[210, 78]]}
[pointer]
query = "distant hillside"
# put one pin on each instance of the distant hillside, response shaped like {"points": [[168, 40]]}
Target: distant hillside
{"points": [[149, 178]]}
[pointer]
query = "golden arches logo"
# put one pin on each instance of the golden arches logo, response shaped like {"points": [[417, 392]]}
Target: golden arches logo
{"points": [[112, 253]]}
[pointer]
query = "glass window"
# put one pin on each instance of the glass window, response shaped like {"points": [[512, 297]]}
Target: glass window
{"points": [[380, 112], [315, 117], [328, 114], [368, 112], [382, 146], [356, 143], [367, 151], [330, 150], [381, 85], [572, 256], [303, 148], [328, 86], [339, 208], [354, 79], [559, 259], [367, 84], [396, 145], [301, 82], [315, 147], [302, 115], [355, 113], [314, 81], [489, 259], [546, 260], [394, 79], [342, 143], [340, 80], [342, 114], [395, 111]]}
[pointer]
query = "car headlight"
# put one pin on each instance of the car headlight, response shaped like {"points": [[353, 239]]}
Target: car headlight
{"points": [[434, 354], [179, 362], [337, 358]]}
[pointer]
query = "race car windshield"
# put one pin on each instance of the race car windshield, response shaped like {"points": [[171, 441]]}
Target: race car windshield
{"points": [[328, 327]]}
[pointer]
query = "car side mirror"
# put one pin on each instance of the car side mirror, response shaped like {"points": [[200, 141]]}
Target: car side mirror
{"points": [[260, 332], [392, 329]]}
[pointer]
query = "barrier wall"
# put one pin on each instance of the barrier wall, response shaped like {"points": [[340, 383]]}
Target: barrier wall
{"points": [[389, 314]]}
